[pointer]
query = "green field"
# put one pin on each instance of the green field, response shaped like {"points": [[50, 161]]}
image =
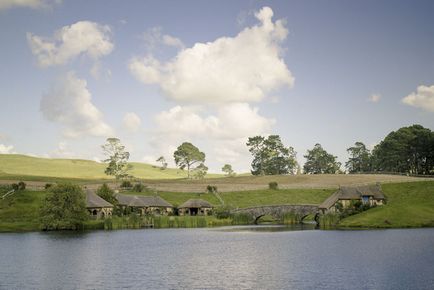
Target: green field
{"points": [[408, 205], [14, 166]]}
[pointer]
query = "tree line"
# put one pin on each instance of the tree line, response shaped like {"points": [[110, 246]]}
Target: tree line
{"points": [[409, 150]]}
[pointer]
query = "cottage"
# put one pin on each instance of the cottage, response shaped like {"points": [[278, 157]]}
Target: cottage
{"points": [[370, 194], [145, 204], [97, 207], [195, 207]]}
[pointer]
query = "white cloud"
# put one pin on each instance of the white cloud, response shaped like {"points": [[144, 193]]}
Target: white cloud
{"points": [[70, 103], [5, 149], [82, 38], [225, 132], [154, 38], [131, 122], [244, 68], [423, 98], [374, 98], [33, 4]]}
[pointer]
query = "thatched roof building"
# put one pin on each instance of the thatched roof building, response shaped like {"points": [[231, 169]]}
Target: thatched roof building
{"points": [[97, 206], [195, 207], [371, 194], [195, 203], [145, 204]]}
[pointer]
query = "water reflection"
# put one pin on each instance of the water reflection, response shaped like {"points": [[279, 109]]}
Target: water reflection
{"points": [[269, 228]]}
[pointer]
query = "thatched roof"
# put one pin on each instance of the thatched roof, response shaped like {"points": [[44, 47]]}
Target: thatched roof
{"points": [[196, 203], [352, 193], [94, 201], [141, 201]]}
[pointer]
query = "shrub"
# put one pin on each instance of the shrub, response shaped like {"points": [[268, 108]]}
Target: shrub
{"points": [[21, 185], [126, 184], [273, 185], [211, 188], [64, 208], [222, 212], [138, 187], [14, 186], [106, 193], [48, 186]]}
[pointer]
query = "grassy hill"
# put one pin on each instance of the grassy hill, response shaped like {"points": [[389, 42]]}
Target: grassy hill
{"points": [[14, 166], [408, 205]]}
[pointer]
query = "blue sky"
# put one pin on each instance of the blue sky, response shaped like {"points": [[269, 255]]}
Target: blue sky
{"points": [[157, 73]]}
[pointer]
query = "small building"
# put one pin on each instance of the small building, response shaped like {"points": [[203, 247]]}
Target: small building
{"points": [[195, 207], [145, 204], [369, 194], [97, 207]]}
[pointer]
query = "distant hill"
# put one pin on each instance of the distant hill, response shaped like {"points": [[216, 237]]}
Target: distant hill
{"points": [[22, 165]]}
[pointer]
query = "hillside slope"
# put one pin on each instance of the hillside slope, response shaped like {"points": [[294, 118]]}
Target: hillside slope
{"points": [[21, 165]]}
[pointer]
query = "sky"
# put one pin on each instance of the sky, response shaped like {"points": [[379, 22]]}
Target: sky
{"points": [[158, 73]]}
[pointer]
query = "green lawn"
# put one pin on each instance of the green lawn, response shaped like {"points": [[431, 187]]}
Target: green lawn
{"points": [[252, 198], [20, 211], [409, 205]]}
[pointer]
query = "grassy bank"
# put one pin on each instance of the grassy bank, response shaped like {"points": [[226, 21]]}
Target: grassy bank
{"points": [[408, 205], [241, 199]]}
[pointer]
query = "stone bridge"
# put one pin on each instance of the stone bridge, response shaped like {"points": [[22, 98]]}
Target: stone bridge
{"points": [[278, 211]]}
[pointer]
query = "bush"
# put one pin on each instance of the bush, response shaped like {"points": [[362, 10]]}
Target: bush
{"points": [[106, 193], [64, 208], [48, 186], [211, 188], [21, 185], [126, 184], [273, 185], [138, 187], [14, 186], [222, 212]]}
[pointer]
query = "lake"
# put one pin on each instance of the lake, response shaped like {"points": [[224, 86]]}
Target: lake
{"points": [[223, 258]]}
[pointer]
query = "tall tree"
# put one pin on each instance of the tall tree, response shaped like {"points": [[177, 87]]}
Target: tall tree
{"points": [[227, 168], [270, 156], [407, 150], [360, 158], [200, 171], [319, 161], [186, 155], [117, 158]]}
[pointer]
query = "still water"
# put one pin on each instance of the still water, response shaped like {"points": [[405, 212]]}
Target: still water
{"points": [[225, 258]]}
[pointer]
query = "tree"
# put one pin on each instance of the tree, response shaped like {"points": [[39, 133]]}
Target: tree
{"points": [[106, 193], [200, 171], [163, 162], [117, 158], [186, 155], [64, 208], [360, 158], [270, 156], [318, 161], [408, 150], [227, 168]]}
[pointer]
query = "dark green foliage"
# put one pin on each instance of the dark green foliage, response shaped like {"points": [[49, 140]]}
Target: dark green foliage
{"points": [[360, 159], [48, 185], [21, 185], [126, 184], [14, 186], [64, 208], [186, 155], [319, 161], [106, 193], [273, 185], [139, 187], [270, 156], [408, 150], [227, 168], [211, 188], [222, 212]]}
